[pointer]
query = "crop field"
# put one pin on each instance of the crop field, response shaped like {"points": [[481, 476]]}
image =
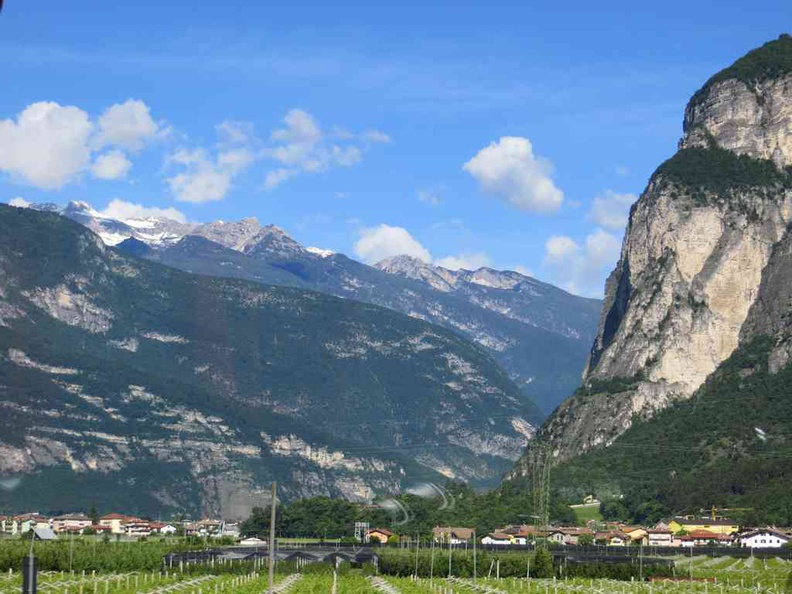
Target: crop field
{"points": [[138, 583], [719, 575]]}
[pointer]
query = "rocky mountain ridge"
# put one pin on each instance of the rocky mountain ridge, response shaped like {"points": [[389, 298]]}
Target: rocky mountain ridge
{"points": [[537, 332], [695, 258]]}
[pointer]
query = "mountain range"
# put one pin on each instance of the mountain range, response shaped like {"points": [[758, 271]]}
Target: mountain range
{"points": [[538, 333], [130, 384]]}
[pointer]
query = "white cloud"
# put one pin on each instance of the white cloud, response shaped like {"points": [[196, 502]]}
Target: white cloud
{"points": [[111, 165], [276, 177], [582, 270], [524, 271], [611, 210], [127, 125], [302, 147], [560, 248], [300, 128], [120, 209], [203, 178], [375, 136], [509, 169], [430, 197], [232, 132], [472, 261], [384, 241], [19, 202], [47, 145]]}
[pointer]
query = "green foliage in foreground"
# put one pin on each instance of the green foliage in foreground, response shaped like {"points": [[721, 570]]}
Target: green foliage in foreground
{"points": [[539, 563], [89, 555], [703, 452]]}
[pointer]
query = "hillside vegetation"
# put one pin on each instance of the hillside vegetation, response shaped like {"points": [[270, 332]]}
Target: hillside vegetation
{"points": [[729, 446]]}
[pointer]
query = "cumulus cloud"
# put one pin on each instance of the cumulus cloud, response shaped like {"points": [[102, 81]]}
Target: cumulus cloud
{"points": [[111, 165], [611, 210], [509, 169], [127, 125], [120, 209], [582, 269], [50, 145], [19, 202], [384, 241], [203, 178], [47, 145], [302, 147], [469, 261]]}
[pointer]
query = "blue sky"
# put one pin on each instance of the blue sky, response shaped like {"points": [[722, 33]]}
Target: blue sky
{"points": [[513, 135]]}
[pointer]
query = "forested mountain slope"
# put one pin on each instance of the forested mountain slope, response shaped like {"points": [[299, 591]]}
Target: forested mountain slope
{"points": [[147, 388]]}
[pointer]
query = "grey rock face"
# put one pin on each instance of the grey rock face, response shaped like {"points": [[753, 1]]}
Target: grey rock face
{"points": [[705, 262], [754, 121], [674, 309]]}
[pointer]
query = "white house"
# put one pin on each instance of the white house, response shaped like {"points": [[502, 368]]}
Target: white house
{"points": [[497, 538], [168, 529], [763, 539], [658, 537], [136, 527], [71, 523], [452, 535]]}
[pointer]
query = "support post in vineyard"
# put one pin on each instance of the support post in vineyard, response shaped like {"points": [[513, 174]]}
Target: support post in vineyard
{"points": [[272, 539]]}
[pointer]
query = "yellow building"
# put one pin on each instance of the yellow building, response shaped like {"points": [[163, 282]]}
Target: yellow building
{"points": [[722, 526]]}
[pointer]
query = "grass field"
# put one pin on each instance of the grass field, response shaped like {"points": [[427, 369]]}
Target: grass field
{"points": [[584, 513]]}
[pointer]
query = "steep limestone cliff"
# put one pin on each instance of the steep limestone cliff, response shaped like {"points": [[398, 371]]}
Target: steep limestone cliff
{"points": [[698, 242]]}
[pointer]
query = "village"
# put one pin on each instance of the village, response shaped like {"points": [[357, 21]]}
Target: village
{"points": [[676, 532], [47, 528]]}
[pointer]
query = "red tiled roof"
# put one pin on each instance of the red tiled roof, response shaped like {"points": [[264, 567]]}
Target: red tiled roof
{"points": [[114, 516], [705, 535]]}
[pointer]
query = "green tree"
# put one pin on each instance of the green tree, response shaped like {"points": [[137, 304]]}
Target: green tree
{"points": [[542, 566]]}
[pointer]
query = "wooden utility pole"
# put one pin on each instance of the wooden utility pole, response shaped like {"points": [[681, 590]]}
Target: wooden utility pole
{"points": [[272, 538]]}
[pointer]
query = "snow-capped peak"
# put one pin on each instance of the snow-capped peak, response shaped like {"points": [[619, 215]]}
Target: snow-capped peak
{"points": [[319, 252]]}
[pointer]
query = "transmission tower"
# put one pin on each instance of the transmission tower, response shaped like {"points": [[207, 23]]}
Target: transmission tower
{"points": [[540, 482]]}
